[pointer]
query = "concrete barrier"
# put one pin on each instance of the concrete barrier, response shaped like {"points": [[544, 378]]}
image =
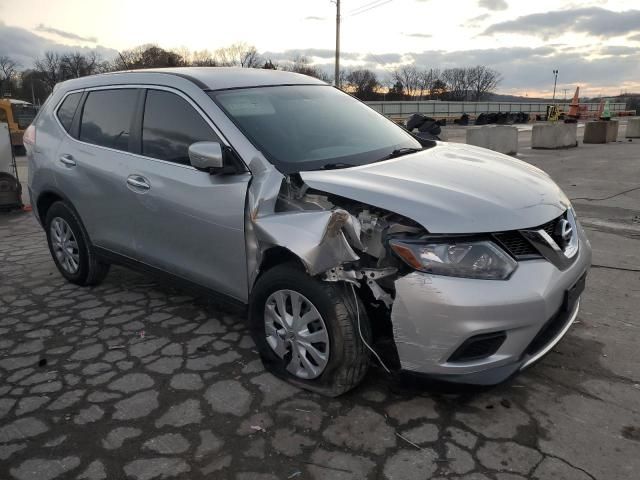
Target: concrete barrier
{"points": [[633, 128], [554, 135], [499, 138], [612, 131], [600, 131]]}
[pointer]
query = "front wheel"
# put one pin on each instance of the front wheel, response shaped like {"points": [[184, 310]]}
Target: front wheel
{"points": [[309, 332]]}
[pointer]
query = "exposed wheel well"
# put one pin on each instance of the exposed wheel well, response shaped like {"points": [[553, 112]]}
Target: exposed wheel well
{"points": [[44, 202], [277, 256]]}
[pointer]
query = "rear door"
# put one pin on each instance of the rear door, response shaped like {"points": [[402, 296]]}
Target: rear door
{"points": [[92, 162], [187, 222]]}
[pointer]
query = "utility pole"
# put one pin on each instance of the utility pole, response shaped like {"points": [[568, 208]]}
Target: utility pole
{"points": [[336, 80], [555, 81]]}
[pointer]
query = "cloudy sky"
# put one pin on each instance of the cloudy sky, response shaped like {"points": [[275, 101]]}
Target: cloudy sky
{"points": [[594, 44]]}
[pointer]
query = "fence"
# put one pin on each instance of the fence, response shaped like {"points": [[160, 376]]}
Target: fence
{"points": [[455, 109]]}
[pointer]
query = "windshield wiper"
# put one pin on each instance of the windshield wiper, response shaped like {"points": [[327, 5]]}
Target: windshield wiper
{"points": [[402, 151], [335, 166]]}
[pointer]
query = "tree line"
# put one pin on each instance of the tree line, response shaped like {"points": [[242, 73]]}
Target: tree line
{"points": [[406, 82]]}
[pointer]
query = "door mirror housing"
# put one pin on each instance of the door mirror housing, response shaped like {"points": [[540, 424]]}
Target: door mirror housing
{"points": [[207, 156]]}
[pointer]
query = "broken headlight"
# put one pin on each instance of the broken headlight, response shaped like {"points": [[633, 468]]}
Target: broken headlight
{"points": [[456, 258]]}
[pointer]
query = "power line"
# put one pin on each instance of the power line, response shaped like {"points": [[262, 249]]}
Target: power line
{"points": [[365, 5], [369, 7]]}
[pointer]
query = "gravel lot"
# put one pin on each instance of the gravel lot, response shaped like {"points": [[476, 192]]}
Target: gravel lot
{"points": [[137, 379]]}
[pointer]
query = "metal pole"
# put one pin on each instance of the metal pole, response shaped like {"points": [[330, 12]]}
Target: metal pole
{"points": [[336, 80], [555, 81]]}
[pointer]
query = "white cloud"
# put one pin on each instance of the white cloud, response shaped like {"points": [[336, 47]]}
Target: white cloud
{"points": [[493, 4]]}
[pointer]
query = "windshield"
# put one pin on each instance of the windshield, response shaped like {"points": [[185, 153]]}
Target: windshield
{"points": [[310, 127]]}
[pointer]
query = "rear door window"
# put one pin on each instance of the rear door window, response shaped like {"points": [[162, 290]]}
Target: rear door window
{"points": [[68, 109], [107, 118], [170, 125]]}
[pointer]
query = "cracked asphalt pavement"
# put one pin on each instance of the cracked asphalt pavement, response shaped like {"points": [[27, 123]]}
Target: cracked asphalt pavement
{"points": [[140, 380]]}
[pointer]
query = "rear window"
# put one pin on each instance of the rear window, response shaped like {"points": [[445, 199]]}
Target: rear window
{"points": [[107, 117], [68, 109]]}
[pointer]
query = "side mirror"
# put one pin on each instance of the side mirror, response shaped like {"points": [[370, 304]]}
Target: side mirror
{"points": [[206, 156]]}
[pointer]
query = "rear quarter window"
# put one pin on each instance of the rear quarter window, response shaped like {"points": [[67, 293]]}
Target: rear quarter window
{"points": [[107, 118], [67, 110]]}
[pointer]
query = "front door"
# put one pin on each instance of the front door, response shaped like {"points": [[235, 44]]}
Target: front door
{"points": [[186, 222]]}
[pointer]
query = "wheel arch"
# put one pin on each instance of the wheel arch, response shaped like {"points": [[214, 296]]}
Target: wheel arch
{"points": [[278, 255], [48, 198], [44, 202]]}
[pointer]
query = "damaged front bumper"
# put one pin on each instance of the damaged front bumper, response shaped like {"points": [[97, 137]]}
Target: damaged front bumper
{"points": [[521, 319], [457, 329]]}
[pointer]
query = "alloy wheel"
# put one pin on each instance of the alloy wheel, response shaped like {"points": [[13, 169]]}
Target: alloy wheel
{"points": [[297, 334], [65, 246]]}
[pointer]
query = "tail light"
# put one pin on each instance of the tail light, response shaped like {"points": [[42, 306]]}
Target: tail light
{"points": [[29, 137]]}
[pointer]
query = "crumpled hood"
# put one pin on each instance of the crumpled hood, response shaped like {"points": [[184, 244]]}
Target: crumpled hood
{"points": [[451, 188]]}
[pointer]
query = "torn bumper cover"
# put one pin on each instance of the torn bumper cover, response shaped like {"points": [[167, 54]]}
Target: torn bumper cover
{"points": [[433, 316]]}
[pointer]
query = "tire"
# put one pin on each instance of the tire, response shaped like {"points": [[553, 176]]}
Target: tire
{"points": [[348, 357], [90, 270]]}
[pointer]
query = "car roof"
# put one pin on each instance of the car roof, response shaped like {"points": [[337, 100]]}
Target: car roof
{"points": [[208, 78]]}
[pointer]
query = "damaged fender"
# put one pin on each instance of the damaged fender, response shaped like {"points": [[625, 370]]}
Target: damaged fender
{"points": [[316, 237], [322, 239]]}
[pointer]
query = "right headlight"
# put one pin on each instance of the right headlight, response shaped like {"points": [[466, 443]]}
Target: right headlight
{"points": [[456, 258]]}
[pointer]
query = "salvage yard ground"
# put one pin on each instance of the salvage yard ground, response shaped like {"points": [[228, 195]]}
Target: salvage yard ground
{"points": [[137, 379]]}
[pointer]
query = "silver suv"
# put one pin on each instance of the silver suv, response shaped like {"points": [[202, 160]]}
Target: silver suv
{"points": [[347, 237]]}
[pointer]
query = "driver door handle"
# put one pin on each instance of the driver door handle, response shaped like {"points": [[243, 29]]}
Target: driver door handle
{"points": [[67, 160], [138, 182]]}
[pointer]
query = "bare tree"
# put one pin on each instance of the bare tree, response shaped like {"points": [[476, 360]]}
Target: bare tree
{"points": [[250, 58], [482, 80], [238, 55], [426, 81], [438, 89], [302, 64], [31, 87], [203, 58], [77, 64], [48, 68], [269, 65], [363, 83], [408, 78], [184, 53], [147, 56], [8, 70], [457, 82]]}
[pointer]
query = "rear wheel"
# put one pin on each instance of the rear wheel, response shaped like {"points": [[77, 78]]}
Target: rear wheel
{"points": [[307, 330], [70, 247]]}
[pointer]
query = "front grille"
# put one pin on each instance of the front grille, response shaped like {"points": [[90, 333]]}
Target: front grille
{"points": [[518, 246], [550, 227], [478, 347]]}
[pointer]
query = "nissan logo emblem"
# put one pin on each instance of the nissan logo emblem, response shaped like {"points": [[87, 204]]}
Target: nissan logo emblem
{"points": [[563, 232]]}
